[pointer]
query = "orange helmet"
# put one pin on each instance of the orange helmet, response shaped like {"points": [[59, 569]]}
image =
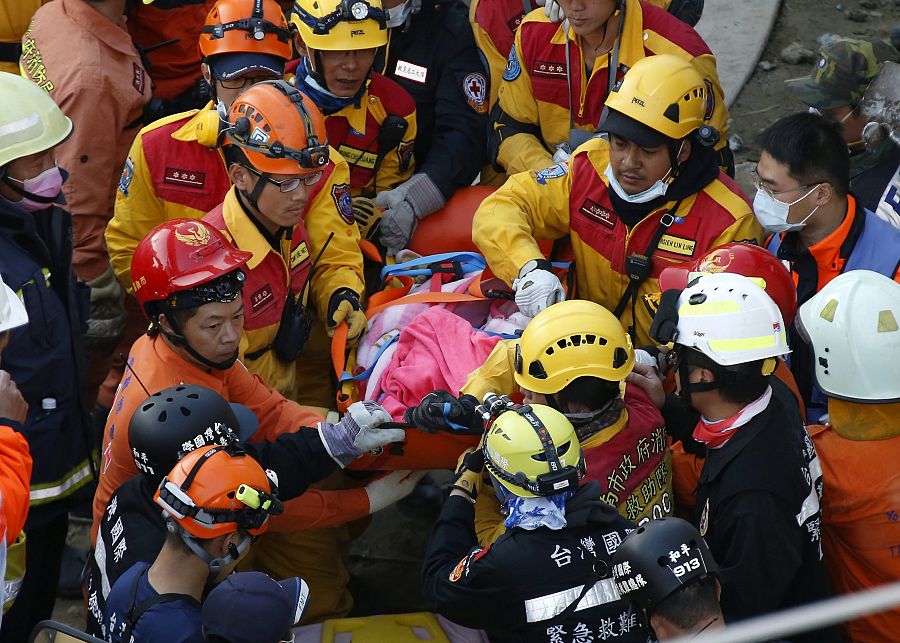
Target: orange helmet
{"points": [[279, 128], [255, 29], [218, 490]]}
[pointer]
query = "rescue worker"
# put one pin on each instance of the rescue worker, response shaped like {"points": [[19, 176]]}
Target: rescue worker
{"points": [[651, 196], [151, 189], [852, 325], [818, 226], [834, 88], [166, 35], [549, 575], [189, 278], [172, 170], [82, 55], [431, 53], [557, 79], [14, 19], [370, 119], [289, 205], [164, 427], [758, 513], [666, 568], [494, 24], [620, 430], [47, 358], [216, 500], [15, 456]]}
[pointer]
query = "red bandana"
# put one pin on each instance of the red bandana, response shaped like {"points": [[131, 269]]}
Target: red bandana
{"points": [[715, 434]]}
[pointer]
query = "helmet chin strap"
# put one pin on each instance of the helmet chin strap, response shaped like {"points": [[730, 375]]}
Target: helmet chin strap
{"points": [[686, 386], [215, 564], [179, 339]]}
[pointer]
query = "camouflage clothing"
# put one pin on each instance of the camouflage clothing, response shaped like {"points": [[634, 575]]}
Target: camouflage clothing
{"points": [[843, 72]]}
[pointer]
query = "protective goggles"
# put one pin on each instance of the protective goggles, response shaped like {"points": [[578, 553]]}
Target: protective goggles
{"points": [[223, 290], [346, 11]]}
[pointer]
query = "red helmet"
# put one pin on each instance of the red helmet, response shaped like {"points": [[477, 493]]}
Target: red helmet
{"points": [[180, 255], [743, 259]]}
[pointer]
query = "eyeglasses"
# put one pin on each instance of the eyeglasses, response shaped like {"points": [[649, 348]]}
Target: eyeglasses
{"points": [[758, 184], [289, 185], [240, 82]]}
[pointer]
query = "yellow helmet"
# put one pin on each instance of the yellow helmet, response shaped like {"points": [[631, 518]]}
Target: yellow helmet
{"points": [[532, 450], [30, 121], [660, 96], [340, 25], [572, 339]]}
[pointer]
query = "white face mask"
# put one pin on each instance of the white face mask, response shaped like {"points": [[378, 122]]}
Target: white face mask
{"points": [[396, 16], [772, 214], [655, 191]]}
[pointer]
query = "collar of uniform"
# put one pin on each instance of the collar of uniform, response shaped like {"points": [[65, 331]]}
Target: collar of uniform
{"points": [[112, 35], [187, 371], [631, 49], [244, 233], [834, 249], [356, 117], [188, 131], [607, 433]]}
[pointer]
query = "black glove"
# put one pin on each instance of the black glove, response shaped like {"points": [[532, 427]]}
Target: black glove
{"points": [[468, 472], [441, 411]]}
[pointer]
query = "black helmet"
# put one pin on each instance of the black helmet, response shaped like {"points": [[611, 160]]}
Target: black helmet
{"points": [[176, 420], [658, 558]]}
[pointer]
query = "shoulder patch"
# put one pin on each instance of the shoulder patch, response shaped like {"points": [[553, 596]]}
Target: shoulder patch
{"points": [[552, 172], [127, 176], [462, 567], [340, 192], [475, 89], [513, 68]]}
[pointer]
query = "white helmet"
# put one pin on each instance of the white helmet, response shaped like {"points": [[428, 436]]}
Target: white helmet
{"points": [[12, 311], [731, 320], [853, 325]]}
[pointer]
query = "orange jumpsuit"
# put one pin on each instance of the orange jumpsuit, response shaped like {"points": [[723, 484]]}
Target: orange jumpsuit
{"points": [[859, 452]]}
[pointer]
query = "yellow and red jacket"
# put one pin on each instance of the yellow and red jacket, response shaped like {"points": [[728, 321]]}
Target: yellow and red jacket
{"points": [[573, 199], [270, 272], [494, 24], [168, 175], [354, 133], [858, 453], [535, 94], [629, 458]]}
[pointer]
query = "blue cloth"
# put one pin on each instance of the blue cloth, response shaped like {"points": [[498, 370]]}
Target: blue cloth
{"points": [[531, 513], [176, 621], [324, 99]]}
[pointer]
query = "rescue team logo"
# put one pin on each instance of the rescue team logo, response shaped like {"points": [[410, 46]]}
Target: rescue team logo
{"points": [[184, 178], [552, 172], [127, 176], [405, 154], [677, 245], [475, 89], [139, 79], [549, 69], [198, 236], [411, 71], [716, 261], [513, 68], [261, 298], [343, 201], [596, 212], [462, 567]]}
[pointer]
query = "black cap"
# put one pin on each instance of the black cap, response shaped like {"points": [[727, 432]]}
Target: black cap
{"points": [[618, 124]]}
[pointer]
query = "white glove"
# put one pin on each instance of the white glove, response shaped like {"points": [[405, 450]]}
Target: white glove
{"points": [[552, 10], [358, 432], [406, 204], [536, 290], [388, 489]]}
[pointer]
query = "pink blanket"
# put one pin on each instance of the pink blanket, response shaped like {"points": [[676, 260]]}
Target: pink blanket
{"points": [[437, 350]]}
